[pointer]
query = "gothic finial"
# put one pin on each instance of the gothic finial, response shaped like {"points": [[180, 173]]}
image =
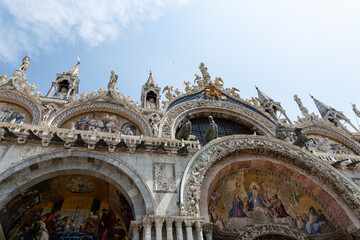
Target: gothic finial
{"points": [[150, 81], [74, 71]]}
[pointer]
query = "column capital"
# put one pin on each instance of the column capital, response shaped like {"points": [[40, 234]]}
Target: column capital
{"points": [[188, 223], [199, 225], [147, 222], [169, 222], [135, 226], [158, 221], [208, 228], [179, 223]]}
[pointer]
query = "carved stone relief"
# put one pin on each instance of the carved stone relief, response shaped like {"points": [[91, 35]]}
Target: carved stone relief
{"points": [[132, 116], [164, 177]]}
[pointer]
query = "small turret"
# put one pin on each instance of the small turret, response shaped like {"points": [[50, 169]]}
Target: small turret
{"points": [[66, 85], [150, 94]]}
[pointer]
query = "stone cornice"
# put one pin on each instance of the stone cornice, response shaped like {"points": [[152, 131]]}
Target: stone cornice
{"points": [[90, 139]]}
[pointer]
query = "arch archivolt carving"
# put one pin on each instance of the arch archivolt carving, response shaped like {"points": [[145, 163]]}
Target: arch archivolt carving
{"points": [[36, 169], [29, 104], [266, 229], [339, 136], [132, 116], [172, 119], [217, 150]]}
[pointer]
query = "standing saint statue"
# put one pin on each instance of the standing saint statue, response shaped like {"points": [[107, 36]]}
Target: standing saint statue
{"points": [[206, 75], [113, 81], [356, 111]]}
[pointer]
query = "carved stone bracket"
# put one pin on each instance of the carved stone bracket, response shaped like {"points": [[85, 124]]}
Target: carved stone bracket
{"points": [[190, 189]]}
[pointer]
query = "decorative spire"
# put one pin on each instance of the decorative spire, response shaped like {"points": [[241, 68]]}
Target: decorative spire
{"points": [[322, 107], [332, 114], [150, 82], [262, 96], [74, 71]]}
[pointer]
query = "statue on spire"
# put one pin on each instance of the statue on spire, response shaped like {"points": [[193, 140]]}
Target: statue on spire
{"points": [[205, 74], [113, 81], [356, 111], [19, 73], [304, 110]]}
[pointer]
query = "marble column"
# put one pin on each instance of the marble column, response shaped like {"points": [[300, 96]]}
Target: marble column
{"points": [[147, 223], [135, 230], [188, 226], [169, 230], [179, 231], [51, 89], [159, 222], [199, 230], [208, 230]]}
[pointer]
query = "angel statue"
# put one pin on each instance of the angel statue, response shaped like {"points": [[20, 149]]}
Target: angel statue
{"points": [[233, 92], [187, 86], [219, 82], [169, 95], [113, 81], [3, 78], [198, 79]]}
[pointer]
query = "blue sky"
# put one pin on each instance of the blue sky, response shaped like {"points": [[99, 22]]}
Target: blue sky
{"points": [[283, 47]]}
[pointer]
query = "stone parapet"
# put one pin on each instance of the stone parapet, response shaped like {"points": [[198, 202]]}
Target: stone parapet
{"points": [[92, 139]]}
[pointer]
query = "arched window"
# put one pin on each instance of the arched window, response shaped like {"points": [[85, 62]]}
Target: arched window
{"points": [[225, 128]]}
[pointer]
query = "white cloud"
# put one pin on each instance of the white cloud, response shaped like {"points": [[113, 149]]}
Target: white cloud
{"points": [[29, 26]]}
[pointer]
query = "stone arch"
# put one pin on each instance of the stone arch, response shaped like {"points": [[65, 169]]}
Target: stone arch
{"points": [[131, 115], [24, 101], [336, 134], [324, 177], [39, 168], [237, 113]]}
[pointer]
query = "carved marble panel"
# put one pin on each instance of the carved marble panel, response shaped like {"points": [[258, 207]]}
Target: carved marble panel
{"points": [[164, 177]]}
